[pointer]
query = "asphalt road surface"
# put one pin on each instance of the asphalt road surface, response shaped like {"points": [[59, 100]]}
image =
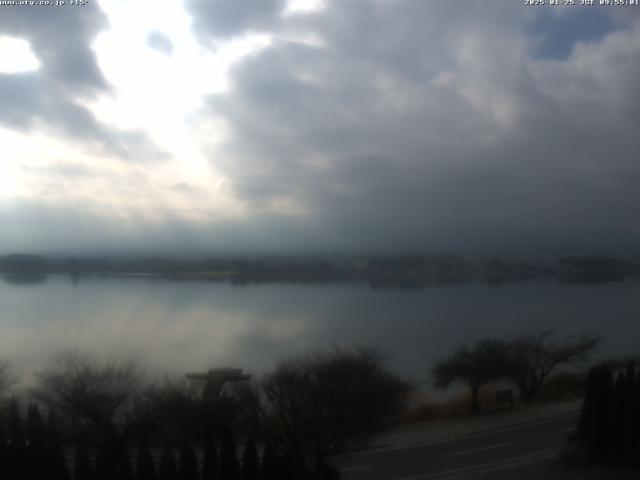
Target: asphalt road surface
{"points": [[476, 453]]}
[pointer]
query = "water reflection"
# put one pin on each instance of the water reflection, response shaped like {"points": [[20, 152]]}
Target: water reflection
{"points": [[184, 326]]}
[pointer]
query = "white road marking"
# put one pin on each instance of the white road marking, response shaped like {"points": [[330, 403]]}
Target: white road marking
{"points": [[487, 467], [474, 450], [461, 437]]}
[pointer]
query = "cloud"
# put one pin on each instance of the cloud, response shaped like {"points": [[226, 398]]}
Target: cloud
{"points": [[16, 56], [512, 152], [61, 37], [360, 126], [52, 98], [160, 42], [227, 18]]}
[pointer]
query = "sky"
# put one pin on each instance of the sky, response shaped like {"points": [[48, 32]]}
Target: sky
{"points": [[319, 126]]}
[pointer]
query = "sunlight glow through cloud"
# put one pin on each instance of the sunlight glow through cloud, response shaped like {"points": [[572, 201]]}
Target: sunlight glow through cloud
{"points": [[16, 56], [162, 95], [303, 6]]}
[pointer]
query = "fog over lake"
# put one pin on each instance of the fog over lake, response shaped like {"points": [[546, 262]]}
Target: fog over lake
{"points": [[184, 326]]}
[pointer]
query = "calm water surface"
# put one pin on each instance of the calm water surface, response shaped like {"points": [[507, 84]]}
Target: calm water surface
{"points": [[183, 326]]}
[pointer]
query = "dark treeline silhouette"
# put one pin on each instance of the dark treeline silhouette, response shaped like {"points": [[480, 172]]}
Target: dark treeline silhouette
{"points": [[399, 271], [106, 422], [34, 452], [595, 269], [6, 378], [19, 263], [37, 452], [609, 424], [524, 361]]}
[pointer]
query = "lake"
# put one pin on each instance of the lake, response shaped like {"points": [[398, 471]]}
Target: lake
{"points": [[186, 326]]}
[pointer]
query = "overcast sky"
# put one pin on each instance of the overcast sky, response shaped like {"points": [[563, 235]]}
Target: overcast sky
{"points": [[320, 126]]}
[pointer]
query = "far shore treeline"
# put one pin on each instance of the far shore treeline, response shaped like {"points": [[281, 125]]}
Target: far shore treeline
{"points": [[401, 271]]}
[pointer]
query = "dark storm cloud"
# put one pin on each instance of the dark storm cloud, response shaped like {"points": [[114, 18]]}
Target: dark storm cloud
{"points": [[440, 130], [61, 39], [160, 42], [367, 126], [226, 18], [50, 97], [31, 101]]}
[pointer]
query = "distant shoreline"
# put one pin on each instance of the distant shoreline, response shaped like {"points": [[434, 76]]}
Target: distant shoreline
{"points": [[404, 271]]}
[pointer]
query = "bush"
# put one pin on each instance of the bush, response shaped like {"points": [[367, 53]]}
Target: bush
{"points": [[610, 412], [325, 403]]}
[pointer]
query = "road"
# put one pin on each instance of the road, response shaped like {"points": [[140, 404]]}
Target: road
{"points": [[476, 453]]}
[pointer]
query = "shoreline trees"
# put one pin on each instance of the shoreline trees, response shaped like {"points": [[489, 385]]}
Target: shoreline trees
{"points": [[533, 357], [524, 361], [474, 366]]}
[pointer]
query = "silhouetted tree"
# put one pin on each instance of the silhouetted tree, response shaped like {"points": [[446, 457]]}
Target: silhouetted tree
{"points": [[16, 427], [325, 471], [7, 380], [187, 413], [533, 357], [125, 472], [286, 467], [586, 421], [146, 467], [100, 399], [82, 469], [631, 407], [37, 451], [5, 465], [596, 422], [229, 468], [58, 469], [635, 421], [210, 469], [168, 470], [35, 429], [188, 462], [325, 403], [106, 467], [17, 447], [610, 415], [618, 418], [269, 463], [250, 462], [476, 366]]}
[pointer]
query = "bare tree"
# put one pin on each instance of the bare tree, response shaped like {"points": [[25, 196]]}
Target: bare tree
{"points": [[103, 401], [7, 380], [327, 402], [476, 366], [533, 357], [187, 413]]}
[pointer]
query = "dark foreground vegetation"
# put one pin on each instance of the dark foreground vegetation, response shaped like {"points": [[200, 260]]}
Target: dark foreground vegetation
{"points": [[398, 271], [609, 425], [106, 422]]}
